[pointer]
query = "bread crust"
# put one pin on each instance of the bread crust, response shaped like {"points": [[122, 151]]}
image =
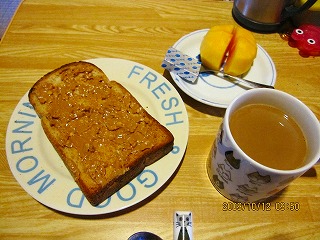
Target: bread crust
{"points": [[101, 132]]}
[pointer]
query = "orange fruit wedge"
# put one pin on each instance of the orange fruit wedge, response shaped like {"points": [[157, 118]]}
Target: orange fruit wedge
{"points": [[214, 46], [231, 47]]}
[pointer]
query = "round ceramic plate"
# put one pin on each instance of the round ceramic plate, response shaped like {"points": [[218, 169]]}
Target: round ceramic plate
{"points": [[40, 171], [212, 90]]}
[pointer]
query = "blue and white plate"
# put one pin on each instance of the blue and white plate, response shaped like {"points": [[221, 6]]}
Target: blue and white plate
{"points": [[212, 90], [40, 171]]}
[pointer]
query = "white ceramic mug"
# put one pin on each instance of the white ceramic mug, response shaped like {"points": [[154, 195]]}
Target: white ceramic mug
{"points": [[240, 178]]}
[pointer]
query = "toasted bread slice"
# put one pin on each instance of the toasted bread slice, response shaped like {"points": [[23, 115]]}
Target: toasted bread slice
{"points": [[101, 132]]}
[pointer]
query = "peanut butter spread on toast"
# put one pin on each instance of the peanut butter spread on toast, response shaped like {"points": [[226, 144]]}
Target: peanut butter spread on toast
{"points": [[95, 121]]}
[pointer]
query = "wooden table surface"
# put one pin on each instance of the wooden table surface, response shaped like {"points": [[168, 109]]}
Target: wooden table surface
{"points": [[46, 34]]}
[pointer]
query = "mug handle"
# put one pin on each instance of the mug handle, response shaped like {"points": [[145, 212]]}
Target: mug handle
{"points": [[293, 10]]}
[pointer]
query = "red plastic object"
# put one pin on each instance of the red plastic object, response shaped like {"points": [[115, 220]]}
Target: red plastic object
{"points": [[307, 39]]}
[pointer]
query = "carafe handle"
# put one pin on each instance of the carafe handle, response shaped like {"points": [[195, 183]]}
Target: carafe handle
{"points": [[293, 10]]}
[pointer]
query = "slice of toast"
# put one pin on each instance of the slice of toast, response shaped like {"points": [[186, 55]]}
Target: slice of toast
{"points": [[101, 132]]}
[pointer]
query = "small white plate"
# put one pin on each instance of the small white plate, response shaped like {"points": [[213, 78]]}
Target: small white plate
{"points": [[40, 171], [212, 90]]}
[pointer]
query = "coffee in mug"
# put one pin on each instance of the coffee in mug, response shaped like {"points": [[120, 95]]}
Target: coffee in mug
{"points": [[269, 136]]}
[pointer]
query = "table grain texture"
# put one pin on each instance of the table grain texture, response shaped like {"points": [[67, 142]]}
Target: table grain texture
{"points": [[46, 34]]}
